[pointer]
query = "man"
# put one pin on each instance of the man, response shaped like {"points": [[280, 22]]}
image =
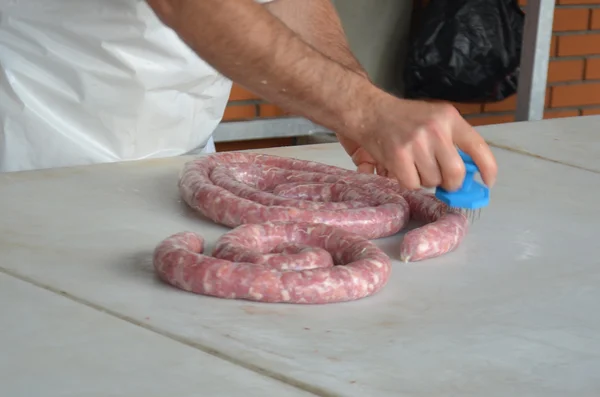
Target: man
{"points": [[90, 81]]}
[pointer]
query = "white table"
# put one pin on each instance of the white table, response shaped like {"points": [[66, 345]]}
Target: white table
{"points": [[54, 346], [512, 311], [573, 141]]}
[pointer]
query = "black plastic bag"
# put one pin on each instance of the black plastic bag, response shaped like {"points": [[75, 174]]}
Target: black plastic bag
{"points": [[465, 51]]}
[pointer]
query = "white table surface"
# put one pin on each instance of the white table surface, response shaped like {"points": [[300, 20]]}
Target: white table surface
{"points": [[571, 140], [52, 346], [512, 311]]}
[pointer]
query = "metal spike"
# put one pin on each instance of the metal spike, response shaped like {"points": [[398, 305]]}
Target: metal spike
{"points": [[471, 215]]}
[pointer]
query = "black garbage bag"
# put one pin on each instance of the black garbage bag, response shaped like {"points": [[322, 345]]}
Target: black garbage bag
{"points": [[465, 51]]}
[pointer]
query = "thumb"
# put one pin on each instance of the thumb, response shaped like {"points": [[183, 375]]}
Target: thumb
{"points": [[363, 161], [365, 168], [349, 145]]}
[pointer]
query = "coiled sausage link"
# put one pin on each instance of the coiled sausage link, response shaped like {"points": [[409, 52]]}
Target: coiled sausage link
{"points": [[236, 189], [277, 263]]}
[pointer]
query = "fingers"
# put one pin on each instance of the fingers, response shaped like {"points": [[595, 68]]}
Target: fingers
{"points": [[405, 171], [365, 168], [382, 171], [452, 167], [453, 130], [427, 164], [365, 164], [369, 168], [470, 142], [416, 145]]}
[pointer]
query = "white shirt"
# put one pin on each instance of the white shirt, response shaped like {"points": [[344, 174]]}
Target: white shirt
{"points": [[95, 81]]}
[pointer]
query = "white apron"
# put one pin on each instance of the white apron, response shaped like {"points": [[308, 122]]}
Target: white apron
{"points": [[95, 81]]}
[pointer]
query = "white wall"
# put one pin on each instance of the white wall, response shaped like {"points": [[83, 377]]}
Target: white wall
{"points": [[378, 32]]}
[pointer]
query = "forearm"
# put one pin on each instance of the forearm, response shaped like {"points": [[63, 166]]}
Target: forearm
{"points": [[246, 43], [318, 24]]}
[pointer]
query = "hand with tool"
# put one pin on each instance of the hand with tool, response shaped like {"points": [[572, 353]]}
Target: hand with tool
{"points": [[421, 147], [303, 64]]}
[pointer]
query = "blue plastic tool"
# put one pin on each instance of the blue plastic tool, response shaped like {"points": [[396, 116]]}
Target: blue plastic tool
{"points": [[472, 195]]}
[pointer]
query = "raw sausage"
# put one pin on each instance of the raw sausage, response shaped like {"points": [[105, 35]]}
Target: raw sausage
{"points": [[235, 188], [292, 220], [443, 231], [238, 188], [350, 267]]}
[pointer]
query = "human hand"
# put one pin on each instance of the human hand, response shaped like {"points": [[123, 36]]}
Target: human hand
{"points": [[415, 142], [363, 161]]}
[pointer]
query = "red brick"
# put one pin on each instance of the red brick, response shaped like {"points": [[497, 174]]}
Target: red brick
{"points": [[239, 112], [590, 111], [241, 94], [578, 2], [576, 95], [555, 114], [253, 144], [578, 44], [553, 46], [492, 119], [509, 103], [567, 19], [565, 70], [269, 110], [468, 108], [595, 20], [592, 69]]}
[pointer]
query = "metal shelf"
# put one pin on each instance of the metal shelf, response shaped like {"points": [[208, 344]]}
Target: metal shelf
{"points": [[533, 74], [266, 128]]}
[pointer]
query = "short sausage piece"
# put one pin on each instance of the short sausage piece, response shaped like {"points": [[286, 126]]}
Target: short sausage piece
{"points": [[443, 231]]}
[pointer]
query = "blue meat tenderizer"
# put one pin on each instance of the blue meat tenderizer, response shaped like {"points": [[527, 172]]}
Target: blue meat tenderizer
{"points": [[471, 197]]}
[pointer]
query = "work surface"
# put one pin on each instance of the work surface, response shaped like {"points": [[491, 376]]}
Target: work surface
{"points": [[573, 141], [512, 312]]}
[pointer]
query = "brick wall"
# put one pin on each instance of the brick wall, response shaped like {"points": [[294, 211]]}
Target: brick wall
{"points": [[573, 74], [244, 105]]}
